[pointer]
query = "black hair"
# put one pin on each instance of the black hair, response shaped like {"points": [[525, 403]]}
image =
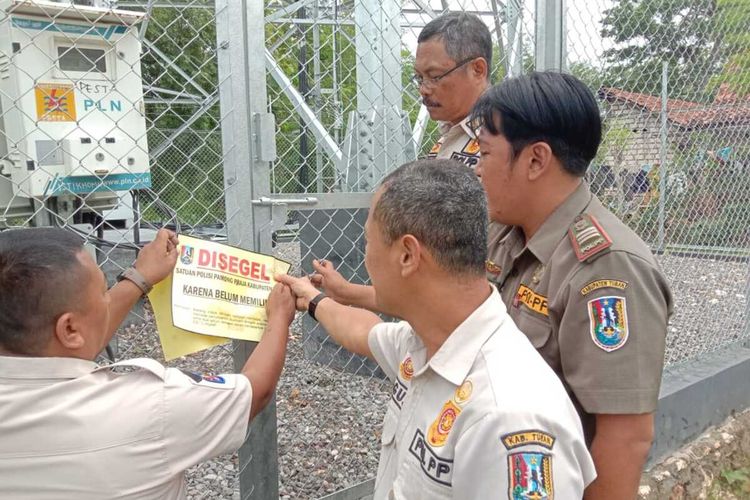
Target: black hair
{"points": [[556, 108], [39, 276], [463, 35]]}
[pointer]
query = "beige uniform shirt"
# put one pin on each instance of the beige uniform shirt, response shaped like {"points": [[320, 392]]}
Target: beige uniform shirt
{"points": [[72, 430], [590, 296], [457, 142], [485, 417]]}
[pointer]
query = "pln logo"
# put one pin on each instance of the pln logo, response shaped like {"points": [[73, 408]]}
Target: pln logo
{"points": [[186, 255], [55, 102]]}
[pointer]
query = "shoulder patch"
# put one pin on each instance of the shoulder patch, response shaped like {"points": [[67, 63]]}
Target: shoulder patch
{"points": [[216, 381], [528, 437], [530, 476], [603, 283], [588, 237], [608, 319]]}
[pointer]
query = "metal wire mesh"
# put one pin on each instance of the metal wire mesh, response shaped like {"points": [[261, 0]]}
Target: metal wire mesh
{"points": [[672, 83], [673, 164]]}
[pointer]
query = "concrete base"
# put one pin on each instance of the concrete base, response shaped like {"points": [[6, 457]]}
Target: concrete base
{"points": [[697, 395]]}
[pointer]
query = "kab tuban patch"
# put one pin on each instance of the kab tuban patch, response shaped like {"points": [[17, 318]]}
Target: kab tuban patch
{"points": [[608, 321], [528, 438], [530, 476]]}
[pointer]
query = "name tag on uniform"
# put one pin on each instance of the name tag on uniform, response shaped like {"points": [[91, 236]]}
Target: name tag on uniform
{"points": [[436, 468], [531, 299]]}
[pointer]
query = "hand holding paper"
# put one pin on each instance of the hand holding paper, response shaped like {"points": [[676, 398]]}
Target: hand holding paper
{"points": [[215, 292], [157, 259]]}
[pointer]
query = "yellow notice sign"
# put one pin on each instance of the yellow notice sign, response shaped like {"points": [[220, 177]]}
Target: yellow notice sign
{"points": [[55, 102], [215, 292]]}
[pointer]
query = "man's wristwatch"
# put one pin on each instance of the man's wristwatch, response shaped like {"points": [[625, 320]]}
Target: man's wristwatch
{"points": [[313, 304], [131, 274]]}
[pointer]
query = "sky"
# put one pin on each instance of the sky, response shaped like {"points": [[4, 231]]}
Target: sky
{"points": [[583, 24]]}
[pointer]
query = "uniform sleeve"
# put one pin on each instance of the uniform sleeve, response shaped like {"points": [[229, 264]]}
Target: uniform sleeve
{"points": [[388, 345], [205, 416], [612, 334], [519, 456]]}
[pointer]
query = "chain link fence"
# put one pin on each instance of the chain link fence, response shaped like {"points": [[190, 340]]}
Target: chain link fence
{"points": [[672, 79], [116, 123]]}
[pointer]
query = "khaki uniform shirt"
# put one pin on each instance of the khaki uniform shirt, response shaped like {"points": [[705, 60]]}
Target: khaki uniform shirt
{"points": [[485, 417], [73, 430], [592, 299], [457, 142]]}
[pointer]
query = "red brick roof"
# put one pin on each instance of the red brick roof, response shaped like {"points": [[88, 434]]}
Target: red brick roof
{"points": [[727, 109]]}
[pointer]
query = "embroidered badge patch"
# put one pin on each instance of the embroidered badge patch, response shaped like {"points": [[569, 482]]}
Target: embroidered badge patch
{"points": [[609, 322], [588, 237], [441, 427], [492, 268], [605, 283], [406, 369], [472, 147], [435, 150], [531, 299], [530, 476], [463, 393], [525, 438]]}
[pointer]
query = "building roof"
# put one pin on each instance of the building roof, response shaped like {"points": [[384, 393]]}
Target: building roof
{"points": [[726, 110]]}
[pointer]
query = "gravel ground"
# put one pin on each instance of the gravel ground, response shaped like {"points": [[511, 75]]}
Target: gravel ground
{"points": [[329, 422]]}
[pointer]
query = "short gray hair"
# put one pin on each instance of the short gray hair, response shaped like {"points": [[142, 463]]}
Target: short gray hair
{"points": [[442, 204], [464, 36]]}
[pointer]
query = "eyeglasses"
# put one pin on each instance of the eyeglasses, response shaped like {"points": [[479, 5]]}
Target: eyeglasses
{"points": [[430, 83]]}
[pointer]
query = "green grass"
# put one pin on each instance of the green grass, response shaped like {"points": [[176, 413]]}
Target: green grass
{"points": [[732, 483]]}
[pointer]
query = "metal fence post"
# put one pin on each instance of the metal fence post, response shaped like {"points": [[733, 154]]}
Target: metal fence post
{"points": [[551, 43], [242, 85], [663, 137]]}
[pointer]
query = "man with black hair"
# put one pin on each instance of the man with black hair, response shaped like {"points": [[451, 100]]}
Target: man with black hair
{"points": [[72, 429], [451, 70], [580, 284]]}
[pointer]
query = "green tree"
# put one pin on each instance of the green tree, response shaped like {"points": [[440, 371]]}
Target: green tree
{"points": [[734, 18], [647, 33]]}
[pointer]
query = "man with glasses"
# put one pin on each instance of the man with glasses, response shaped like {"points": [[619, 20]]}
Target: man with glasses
{"points": [[451, 71]]}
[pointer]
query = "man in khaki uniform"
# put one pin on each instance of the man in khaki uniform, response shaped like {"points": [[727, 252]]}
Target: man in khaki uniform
{"points": [[454, 56], [580, 284], [72, 429], [475, 412]]}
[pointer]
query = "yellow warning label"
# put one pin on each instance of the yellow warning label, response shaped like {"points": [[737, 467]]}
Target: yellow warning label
{"points": [[55, 102]]}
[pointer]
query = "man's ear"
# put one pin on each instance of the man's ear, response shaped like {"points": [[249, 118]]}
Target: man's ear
{"points": [[68, 333], [411, 255], [479, 68], [540, 160]]}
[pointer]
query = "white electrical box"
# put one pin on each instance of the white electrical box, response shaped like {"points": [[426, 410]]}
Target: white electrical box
{"points": [[72, 118]]}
